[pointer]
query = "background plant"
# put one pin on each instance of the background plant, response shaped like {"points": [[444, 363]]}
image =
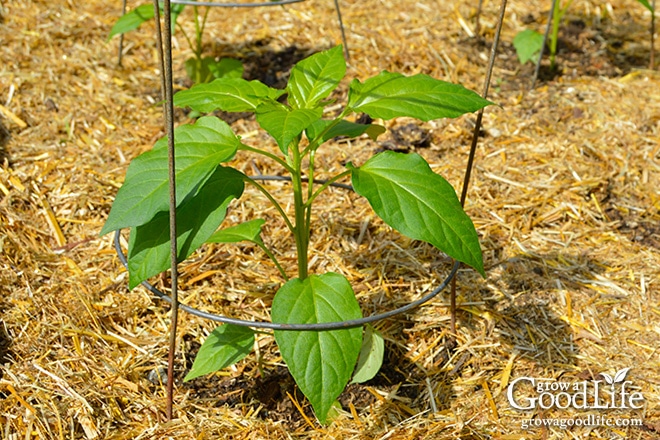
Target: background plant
{"points": [[401, 188], [200, 69], [529, 43]]}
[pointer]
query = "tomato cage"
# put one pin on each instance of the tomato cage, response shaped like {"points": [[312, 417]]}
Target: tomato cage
{"points": [[164, 46], [165, 59], [295, 327]]}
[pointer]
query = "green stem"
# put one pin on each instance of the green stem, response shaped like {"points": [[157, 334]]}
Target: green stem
{"points": [[199, 31], [301, 231], [198, 35], [243, 147], [185, 35], [270, 255], [327, 184], [310, 192], [556, 20], [277, 206], [555, 35], [315, 143], [206, 16]]}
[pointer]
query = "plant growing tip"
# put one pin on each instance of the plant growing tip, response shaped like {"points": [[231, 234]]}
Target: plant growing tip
{"points": [[402, 189]]}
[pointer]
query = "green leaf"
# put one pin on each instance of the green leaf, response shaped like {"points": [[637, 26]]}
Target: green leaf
{"points": [[225, 346], [145, 192], [320, 362], [411, 198], [134, 19], [315, 77], [207, 69], [390, 95], [228, 94], [528, 43], [334, 413], [227, 68], [199, 70], [248, 231], [197, 218], [285, 124], [371, 355], [646, 4], [343, 128]]}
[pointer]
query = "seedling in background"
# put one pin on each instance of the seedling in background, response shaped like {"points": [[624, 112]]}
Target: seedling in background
{"points": [[200, 69], [529, 43], [401, 188]]}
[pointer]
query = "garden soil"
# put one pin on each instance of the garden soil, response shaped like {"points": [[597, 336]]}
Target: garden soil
{"points": [[565, 195]]}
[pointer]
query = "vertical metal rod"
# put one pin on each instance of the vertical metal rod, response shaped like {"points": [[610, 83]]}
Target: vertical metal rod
{"points": [[169, 118], [473, 149], [161, 60], [121, 36], [343, 34], [477, 19], [652, 58], [545, 41]]}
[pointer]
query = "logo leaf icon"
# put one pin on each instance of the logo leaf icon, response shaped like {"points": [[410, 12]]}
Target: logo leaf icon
{"points": [[607, 378], [620, 375]]}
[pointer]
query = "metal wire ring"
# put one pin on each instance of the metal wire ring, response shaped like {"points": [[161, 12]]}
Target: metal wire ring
{"points": [[235, 5], [297, 327]]}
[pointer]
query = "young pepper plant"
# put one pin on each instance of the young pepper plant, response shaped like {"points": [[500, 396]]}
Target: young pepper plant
{"points": [[401, 188]]}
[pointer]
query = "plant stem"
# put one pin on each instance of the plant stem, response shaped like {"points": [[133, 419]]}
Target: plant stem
{"points": [[270, 255], [277, 206], [326, 184], [198, 34], [283, 163], [556, 17], [206, 16], [185, 35], [310, 191], [301, 230], [316, 142], [559, 13]]}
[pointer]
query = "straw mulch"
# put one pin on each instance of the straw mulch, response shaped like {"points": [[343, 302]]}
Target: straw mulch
{"points": [[565, 196]]}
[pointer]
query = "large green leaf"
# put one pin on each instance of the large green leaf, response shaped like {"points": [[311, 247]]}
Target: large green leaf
{"points": [[283, 123], [145, 192], [225, 346], [390, 95], [248, 231], [320, 362], [411, 198], [343, 128], [528, 43], [371, 355], [197, 218], [228, 94], [134, 19], [315, 77]]}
